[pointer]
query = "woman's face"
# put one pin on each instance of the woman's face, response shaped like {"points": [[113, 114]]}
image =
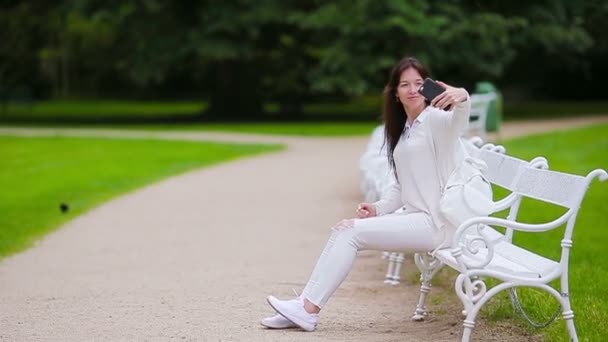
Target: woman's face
{"points": [[407, 89]]}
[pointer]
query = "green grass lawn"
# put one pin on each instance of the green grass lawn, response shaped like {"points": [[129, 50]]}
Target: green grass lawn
{"points": [[294, 128], [99, 109], [154, 116], [302, 129], [545, 109], [116, 108], [578, 151], [38, 174], [366, 109]]}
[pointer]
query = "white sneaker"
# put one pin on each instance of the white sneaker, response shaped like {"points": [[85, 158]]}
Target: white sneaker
{"points": [[278, 322], [294, 311]]}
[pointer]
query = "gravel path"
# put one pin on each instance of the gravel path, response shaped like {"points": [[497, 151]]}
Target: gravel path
{"points": [[194, 256]]}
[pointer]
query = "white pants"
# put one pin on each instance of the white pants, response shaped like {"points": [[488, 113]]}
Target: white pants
{"points": [[394, 232]]}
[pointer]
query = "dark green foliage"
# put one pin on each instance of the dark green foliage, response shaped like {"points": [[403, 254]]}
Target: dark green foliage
{"points": [[240, 54]]}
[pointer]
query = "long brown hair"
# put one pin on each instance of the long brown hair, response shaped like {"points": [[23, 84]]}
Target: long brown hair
{"points": [[394, 113]]}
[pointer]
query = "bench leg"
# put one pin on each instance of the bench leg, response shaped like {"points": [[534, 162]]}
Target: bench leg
{"points": [[568, 315], [469, 324], [473, 293], [396, 276], [388, 279], [428, 267]]}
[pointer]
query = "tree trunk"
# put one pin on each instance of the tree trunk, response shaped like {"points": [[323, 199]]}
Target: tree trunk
{"points": [[235, 94]]}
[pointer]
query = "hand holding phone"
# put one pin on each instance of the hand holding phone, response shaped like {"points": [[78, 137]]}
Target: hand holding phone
{"points": [[451, 96], [430, 89]]}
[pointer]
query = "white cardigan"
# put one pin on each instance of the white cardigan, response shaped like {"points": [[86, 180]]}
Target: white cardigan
{"points": [[419, 164]]}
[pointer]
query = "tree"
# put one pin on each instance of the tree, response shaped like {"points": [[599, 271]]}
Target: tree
{"points": [[22, 32], [239, 54], [358, 41], [219, 44]]}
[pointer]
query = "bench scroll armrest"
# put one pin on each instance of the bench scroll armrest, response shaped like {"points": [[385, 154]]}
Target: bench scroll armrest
{"points": [[506, 202], [476, 251]]}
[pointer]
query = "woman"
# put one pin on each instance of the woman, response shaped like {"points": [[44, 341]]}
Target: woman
{"points": [[423, 145]]}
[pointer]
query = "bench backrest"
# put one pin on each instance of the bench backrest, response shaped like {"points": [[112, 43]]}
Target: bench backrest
{"points": [[504, 170], [534, 180], [562, 189], [559, 188]]}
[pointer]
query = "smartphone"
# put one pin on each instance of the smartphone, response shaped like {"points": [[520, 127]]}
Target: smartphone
{"points": [[430, 89]]}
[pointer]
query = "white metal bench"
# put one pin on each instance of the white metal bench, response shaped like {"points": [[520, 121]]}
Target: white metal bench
{"points": [[502, 171], [373, 165], [479, 251]]}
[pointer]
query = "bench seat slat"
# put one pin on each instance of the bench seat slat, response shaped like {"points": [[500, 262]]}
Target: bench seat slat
{"points": [[508, 259]]}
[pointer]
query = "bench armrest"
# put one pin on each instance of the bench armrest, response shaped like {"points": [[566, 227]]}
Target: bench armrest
{"points": [[506, 202], [471, 246]]}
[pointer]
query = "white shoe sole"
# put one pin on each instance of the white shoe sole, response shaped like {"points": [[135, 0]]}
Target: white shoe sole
{"points": [[302, 324], [279, 328], [287, 325]]}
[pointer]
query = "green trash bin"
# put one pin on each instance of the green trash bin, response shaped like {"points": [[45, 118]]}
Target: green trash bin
{"points": [[494, 118]]}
